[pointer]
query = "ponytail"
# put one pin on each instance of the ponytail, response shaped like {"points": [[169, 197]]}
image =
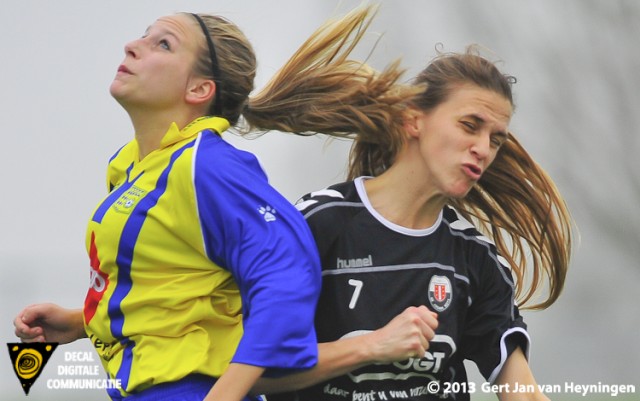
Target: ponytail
{"points": [[320, 90]]}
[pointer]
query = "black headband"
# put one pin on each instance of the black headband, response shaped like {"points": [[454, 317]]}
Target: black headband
{"points": [[215, 69]]}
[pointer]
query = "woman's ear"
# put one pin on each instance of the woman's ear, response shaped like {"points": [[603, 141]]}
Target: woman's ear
{"points": [[200, 91], [412, 122]]}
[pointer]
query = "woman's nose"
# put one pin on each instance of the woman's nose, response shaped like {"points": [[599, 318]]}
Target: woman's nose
{"points": [[133, 48], [481, 146]]}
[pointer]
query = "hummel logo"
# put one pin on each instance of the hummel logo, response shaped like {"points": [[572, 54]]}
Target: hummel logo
{"points": [[268, 213], [358, 262]]}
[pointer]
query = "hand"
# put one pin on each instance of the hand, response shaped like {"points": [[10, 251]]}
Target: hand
{"points": [[49, 323], [405, 336]]}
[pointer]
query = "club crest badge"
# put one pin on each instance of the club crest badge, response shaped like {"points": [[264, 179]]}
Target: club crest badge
{"points": [[440, 293]]}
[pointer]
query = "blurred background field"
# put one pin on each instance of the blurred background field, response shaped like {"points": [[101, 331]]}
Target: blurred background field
{"points": [[578, 103]]}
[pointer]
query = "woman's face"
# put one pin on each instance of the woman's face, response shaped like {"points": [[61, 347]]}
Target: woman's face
{"points": [[459, 139], [157, 67]]}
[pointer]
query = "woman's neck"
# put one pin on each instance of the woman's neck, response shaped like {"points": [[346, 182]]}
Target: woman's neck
{"points": [[150, 128], [404, 196]]}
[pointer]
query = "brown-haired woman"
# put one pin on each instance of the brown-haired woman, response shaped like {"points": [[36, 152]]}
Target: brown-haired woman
{"points": [[424, 172]]}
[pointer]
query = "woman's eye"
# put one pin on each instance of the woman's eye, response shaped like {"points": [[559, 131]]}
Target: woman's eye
{"points": [[165, 44], [497, 141], [469, 125]]}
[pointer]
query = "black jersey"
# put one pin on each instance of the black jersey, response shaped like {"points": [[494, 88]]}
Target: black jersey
{"points": [[373, 269]]}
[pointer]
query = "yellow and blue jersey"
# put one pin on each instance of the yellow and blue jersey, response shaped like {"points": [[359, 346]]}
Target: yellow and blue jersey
{"points": [[197, 261]]}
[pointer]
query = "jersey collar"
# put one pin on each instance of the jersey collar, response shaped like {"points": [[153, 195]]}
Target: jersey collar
{"points": [[175, 134]]}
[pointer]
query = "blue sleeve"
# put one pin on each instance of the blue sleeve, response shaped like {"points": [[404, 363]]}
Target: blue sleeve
{"points": [[255, 233]]}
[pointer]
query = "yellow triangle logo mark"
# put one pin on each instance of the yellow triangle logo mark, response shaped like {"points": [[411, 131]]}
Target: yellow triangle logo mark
{"points": [[28, 359]]}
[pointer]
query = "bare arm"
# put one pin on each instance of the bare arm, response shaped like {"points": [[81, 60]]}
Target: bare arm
{"points": [[49, 323], [516, 370], [407, 335], [235, 383]]}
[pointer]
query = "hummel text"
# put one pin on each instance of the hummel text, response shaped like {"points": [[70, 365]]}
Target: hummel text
{"points": [[359, 262]]}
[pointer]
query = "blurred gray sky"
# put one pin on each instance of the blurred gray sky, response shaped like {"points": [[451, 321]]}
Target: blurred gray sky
{"points": [[578, 109]]}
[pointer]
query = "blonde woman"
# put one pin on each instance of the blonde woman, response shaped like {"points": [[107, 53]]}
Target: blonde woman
{"points": [[203, 277]]}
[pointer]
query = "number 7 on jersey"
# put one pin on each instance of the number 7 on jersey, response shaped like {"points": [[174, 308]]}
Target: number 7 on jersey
{"points": [[356, 292]]}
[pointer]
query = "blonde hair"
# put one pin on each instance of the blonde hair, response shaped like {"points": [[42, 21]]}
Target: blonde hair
{"points": [[236, 63], [320, 90]]}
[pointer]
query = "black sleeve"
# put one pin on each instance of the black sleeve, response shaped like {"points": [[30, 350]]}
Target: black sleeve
{"points": [[494, 327]]}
